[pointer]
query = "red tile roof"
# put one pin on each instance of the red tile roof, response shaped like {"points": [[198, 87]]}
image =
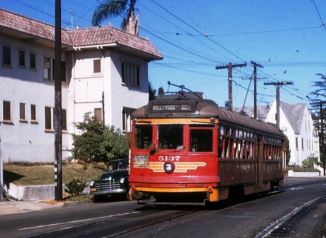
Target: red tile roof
{"points": [[108, 35], [78, 37]]}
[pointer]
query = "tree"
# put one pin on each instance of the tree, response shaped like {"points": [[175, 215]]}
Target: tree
{"points": [[318, 103], [151, 92], [319, 86], [98, 143], [113, 8]]}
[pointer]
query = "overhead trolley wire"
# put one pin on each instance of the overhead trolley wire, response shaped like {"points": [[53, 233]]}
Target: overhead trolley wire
{"points": [[318, 13], [198, 31], [179, 27]]}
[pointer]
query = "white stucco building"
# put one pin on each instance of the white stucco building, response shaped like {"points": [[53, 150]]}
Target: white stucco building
{"points": [[105, 73]]}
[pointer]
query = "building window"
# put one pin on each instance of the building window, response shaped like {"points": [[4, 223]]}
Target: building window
{"points": [[297, 143], [97, 66], [126, 118], [6, 56], [21, 60], [47, 68], [6, 111], [32, 61], [22, 114], [33, 113], [48, 118], [64, 120], [98, 114], [302, 144], [130, 74]]}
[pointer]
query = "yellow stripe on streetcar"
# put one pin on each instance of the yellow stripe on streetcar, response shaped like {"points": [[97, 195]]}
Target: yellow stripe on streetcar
{"points": [[166, 121]]}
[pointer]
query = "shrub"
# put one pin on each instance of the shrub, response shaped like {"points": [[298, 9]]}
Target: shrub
{"points": [[98, 143], [310, 161], [75, 187]]}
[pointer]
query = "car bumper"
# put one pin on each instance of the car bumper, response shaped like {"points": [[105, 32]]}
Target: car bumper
{"points": [[108, 192]]}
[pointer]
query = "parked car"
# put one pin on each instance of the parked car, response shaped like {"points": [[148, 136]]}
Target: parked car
{"points": [[112, 183]]}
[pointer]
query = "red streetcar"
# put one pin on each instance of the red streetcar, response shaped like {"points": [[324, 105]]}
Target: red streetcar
{"points": [[185, 148]]}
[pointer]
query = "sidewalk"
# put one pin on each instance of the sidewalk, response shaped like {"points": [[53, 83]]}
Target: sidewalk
{"points": [[13, 207]]}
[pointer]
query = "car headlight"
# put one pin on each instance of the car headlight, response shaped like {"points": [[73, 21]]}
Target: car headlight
{"points": [[141, 161], [122, 180], [92, 183]]}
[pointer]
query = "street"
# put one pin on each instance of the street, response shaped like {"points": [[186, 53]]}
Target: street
{"points": [[299, 211]]}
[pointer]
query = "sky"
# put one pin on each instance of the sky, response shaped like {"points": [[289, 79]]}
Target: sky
{"points": [[287, 37]]}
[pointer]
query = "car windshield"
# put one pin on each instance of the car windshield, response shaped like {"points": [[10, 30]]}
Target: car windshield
{"points": [[119, 164]]}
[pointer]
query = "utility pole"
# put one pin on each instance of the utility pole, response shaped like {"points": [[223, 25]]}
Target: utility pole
{"points": [[255, 85], [278, 85], [230, 66], [58, 104], [322, 135]]}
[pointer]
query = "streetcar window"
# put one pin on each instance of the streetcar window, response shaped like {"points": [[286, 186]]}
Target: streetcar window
{"points": [[170, 136], [201, 140], [143, 136]]}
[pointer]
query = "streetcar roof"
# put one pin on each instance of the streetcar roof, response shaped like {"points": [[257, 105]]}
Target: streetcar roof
{"points": [[192, 105]]}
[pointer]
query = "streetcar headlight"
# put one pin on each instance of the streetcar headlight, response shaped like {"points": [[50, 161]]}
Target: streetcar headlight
{"points": [[141, 161], [122, 180]]}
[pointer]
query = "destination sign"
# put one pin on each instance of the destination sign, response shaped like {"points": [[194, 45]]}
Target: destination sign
{"points": [[171, 107], [168, 106]]}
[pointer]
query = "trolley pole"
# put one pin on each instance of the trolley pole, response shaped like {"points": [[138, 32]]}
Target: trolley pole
{"points": [[58, 104], [255, 85], [278, 85], [230, 66]]}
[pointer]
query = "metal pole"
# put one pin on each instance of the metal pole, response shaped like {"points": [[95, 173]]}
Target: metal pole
{"points": [[278, 105], [229, 67], [255, 92], [230, 86], [322, 141], [278, 86], [58, 104], [255, 85]]}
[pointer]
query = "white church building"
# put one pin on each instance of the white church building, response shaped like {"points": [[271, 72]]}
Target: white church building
{"points": [[105, 73], [297, 124]]}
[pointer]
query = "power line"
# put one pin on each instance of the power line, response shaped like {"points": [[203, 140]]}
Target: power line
{"points": [[189, 70], [68, 11], [179, 27], [321, 19], [37, 9], [176, 46], [246, 32], [198, 31]]}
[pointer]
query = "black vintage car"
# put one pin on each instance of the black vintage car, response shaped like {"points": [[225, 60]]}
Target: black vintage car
{"points": [[112, 183]]}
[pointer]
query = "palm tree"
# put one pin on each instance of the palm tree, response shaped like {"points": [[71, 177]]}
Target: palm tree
{"points": [[113, 8]]}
